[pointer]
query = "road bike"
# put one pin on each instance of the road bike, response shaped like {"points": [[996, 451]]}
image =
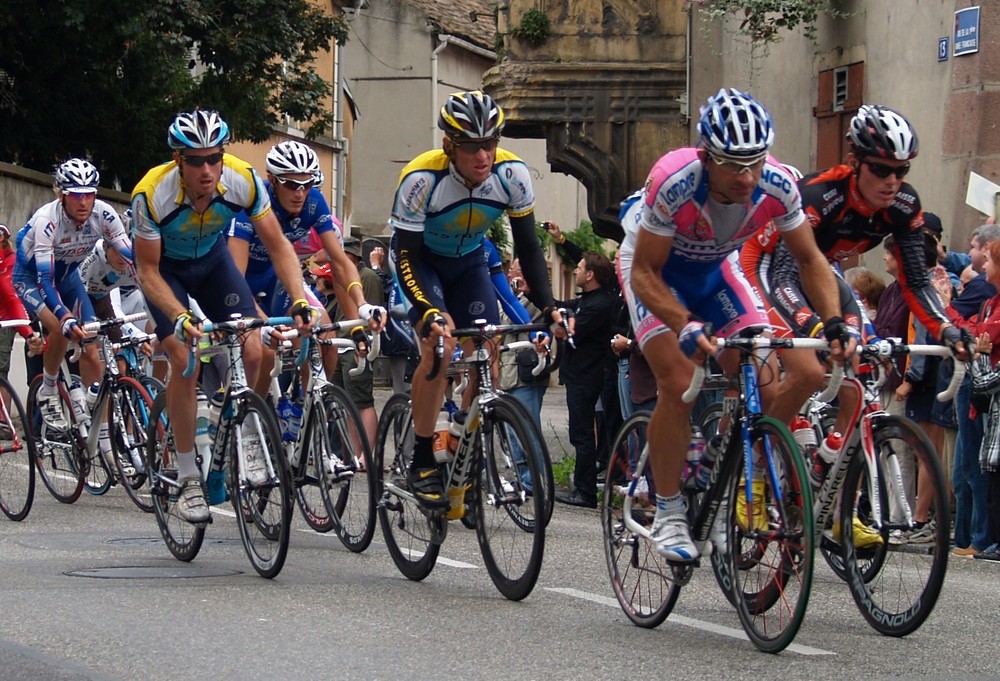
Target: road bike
{"points": [[766, 570], [263, 511], [17, 450], [484, 478]]}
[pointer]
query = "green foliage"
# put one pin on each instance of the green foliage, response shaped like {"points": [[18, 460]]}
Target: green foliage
{"points": [[534, 28], [763, 20], [583, 236], [104, 78], [499, 234]]}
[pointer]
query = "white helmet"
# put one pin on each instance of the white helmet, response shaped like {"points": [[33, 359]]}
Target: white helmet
{"points": [[292, 158], [77, 175], [880, 131], [735, 124], [197, 130]]}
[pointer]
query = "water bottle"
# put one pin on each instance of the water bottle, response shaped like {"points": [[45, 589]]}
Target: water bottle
{"points": [[695, 450], [294, 420], [709, 455], [79, 399], [214, 412], [825, 456], [441, 436], [455, 432], [92, 392], [202, 441], [284, 415], [804, 435]]}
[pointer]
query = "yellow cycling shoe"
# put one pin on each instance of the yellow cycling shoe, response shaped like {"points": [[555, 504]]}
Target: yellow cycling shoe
{"points": [[759, 507], [864, 536]]}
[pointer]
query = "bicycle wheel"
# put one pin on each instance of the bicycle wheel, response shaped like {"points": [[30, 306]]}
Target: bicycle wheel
{"points": [[903, 593], [99, 477], [337, 428], [181, 537], [407, 531], [542, 461], [17, 457], [129, 409], [54, 449], [773, 540], [640, 577], [510, 523], [310, 492], [263, 512]]}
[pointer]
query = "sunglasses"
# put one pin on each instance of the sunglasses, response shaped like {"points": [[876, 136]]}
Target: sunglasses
{"points": [[471, 147], [295, 185], [738, 167], [78, 196], [882, 171], [199, 161]]}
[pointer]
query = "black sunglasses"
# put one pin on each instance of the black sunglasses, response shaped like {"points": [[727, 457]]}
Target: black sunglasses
{"points": [[882, 171], [294, 185], [199, 161], [471, 147]]}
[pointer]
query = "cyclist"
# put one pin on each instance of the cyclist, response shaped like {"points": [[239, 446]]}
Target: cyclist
{"points": [[680, 272], [293, 181], [445, 202], [50, 248], [180, 210]]}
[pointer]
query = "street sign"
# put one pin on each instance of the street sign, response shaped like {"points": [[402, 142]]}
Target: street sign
{"points": [[966, 31], [943, 49]]}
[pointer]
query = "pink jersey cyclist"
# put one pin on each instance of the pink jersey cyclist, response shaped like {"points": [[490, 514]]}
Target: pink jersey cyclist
{"points": [[703, 267]]}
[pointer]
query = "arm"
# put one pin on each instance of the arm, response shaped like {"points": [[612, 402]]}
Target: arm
{"points": [[239, 249], [651, 253], [573, 252], [529, 252], [818, 279], [286, 263], [349, 296], [407, 259], [154, 287]]}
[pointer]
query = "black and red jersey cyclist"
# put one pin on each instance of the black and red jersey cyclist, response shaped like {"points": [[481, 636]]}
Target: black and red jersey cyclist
{"points": [[445, 202]]}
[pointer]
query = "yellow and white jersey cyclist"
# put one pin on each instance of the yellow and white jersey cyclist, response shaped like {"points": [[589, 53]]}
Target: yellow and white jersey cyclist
{"points": [[179, 212], [445, 202]]}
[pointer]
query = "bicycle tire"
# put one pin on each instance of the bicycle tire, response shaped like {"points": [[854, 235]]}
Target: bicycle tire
{"points": [[774, 565], [510, 523], [310, 493], [129, 411], [17, 458], [640, 577], [183, 539], [263, 512], [898, 599], [153, 385], [407, 531], [54, 450], [543, 462], [99, 478], [350, 502]]}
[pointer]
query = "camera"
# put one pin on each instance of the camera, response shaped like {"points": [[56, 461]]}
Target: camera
{"points": [[517, 283]]}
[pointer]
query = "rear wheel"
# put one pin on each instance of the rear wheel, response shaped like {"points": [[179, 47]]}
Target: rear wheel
{"points": [[510, 520], [181, 537], [896, 584], [17, 457], [772, 539], [55, 450], [129, 413], [640, 577], [407, 531]]}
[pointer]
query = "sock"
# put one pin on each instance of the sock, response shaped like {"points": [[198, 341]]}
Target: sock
{"points": [[187, 465], [49, 382], [423, 452], [675, 505]]}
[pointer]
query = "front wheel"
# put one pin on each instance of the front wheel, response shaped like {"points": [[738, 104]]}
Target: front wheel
{"points": [[640, 577], [17, 457], [129, 415], [510, 517], [772, 539], [55, 450], [902, 593]]}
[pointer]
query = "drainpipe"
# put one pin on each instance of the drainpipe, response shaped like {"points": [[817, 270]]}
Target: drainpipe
{"points": [[446, 40], [340, 164]]}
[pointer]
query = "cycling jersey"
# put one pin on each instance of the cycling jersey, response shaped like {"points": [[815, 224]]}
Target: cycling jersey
{"points": [[433, 198], [161, 209], [101, 278], [844, 226], [314, 217], [51, 246], [11, 306]]}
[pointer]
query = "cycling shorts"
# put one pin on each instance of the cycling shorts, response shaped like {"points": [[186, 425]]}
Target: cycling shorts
{"points": [[71, 290], [271, 295], [459, 285]]}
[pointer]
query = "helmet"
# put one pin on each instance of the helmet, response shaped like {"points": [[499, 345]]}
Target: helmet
{"points": [[735, 124], [77, 175], [880, 131], [197, 130], [471, 114], [289, 158]]}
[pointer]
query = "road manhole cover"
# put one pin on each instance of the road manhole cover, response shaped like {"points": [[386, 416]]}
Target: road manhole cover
{"points": [[159, 572]]}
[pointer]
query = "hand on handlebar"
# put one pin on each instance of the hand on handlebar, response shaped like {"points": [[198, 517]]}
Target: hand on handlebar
{"points": [[375, 315], [72, 329], [959, 341], [843, 338], [187, 328], [696, 340]]}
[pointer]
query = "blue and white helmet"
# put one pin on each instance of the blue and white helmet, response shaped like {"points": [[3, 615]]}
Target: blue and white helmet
{"points": [[197, 129], [77, 175], [735, 124], [294, 158]]}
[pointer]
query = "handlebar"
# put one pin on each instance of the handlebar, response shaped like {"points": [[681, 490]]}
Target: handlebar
{"points": [[231, 327]]}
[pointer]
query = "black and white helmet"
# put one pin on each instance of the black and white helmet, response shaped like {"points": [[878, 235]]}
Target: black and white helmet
{"points": [[197, 130], [77, 175], [471, 115], [880, 131], [735, 124], [294, 158]]}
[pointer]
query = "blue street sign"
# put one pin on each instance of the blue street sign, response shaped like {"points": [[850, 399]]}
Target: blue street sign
{"points": [[967, 31], [943, 49]]}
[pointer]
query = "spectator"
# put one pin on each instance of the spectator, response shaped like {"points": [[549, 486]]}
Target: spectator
{"points": [[12, 308], [396, 343], [869, 287]]}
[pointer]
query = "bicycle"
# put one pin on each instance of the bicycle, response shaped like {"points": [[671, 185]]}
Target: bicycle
{"points": [[895, 584], [482, 478], [17, 450], [767, 569], [70, 460], [331, 435], [263, 512]]}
